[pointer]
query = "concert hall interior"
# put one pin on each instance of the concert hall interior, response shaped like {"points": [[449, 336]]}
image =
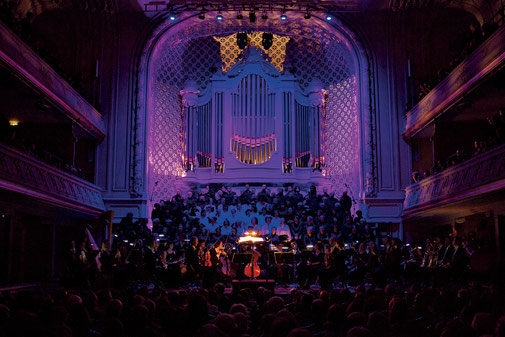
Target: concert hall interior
{"points": [[252, 168]]}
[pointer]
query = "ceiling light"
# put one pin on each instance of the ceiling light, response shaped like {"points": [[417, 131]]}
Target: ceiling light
{"points": [[252, 17], [329, 17], [240, 16], [307, 16], [201, 16], [264, 16], [219, 17], [284, 17], [13, 122], [172, 17]]}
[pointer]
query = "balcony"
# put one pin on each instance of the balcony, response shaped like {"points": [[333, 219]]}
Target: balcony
{"points": [[24, 174], [482, 174], [481, 63], [36, 73]]}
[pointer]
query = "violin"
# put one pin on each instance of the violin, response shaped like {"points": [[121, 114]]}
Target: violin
{"points": [[225, 261], [207, 261], [252, 270]]}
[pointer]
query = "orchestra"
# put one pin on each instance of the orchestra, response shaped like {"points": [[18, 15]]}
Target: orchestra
{"points": [[266, 249], [213, 241]]}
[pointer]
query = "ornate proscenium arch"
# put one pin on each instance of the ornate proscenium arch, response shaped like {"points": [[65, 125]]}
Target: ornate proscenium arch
{"points": [[317, 50]]}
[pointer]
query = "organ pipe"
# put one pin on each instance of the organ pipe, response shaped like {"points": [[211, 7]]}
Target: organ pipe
{"points": [[253, 133]]}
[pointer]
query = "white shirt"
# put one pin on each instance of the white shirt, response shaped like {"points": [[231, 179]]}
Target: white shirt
{"points": [[284, 230], [204, 221], [276, 222], [263, 229], [226, 231]]}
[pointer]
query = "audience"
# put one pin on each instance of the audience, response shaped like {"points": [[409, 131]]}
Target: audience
{"points": [[10, 137], [23, 27], [495, 137], [393, 310], [473, 38]]}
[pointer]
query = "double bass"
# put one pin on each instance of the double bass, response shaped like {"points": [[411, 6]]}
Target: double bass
{"points": [[252, 270]]}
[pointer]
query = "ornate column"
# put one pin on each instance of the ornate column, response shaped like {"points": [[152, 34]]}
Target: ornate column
{"points": [[317, 99], [189, 97]]}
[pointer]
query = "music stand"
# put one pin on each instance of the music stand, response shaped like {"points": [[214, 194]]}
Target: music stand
{"points": [[283, 238], [241, 258], [285, 259]]}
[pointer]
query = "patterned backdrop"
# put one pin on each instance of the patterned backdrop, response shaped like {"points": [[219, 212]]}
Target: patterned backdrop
{"points": [[193, 52]]}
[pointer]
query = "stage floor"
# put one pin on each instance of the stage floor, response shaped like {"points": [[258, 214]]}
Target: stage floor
{"points": [[277, 290], [280, 290]]}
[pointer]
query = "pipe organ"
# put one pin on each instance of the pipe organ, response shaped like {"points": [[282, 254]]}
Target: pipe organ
{"points": [[253, 115], [253, 122]]}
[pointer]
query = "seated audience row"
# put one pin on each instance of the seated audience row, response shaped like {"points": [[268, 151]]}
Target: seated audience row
{"points": [[495, 136]]}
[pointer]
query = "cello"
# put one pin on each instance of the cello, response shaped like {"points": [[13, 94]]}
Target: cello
{"points": [[226, 269], [252, 270]]}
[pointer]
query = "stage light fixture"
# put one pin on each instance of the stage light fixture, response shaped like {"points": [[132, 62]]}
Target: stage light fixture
{"points": [[329, 17], [219, 17], [13, 122], [264, 16], [201, 16], [240, 16], [267, 40], [242, 40], [284, 17], [172, 17], [307, 16], [252, 17]]}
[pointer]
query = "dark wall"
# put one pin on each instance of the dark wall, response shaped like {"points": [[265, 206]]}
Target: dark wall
{"points": [[36, 238]]}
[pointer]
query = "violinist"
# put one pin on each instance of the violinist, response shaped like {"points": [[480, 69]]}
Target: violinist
{"points": [[208, 272], [202, 253], [216, 253]]}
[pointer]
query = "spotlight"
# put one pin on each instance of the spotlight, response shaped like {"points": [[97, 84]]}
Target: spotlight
{"points": [[252, 17], [307, 16], [284, 17], [201, 16], [219, 17], [241, 40], [264, 16], [172, 17], [240, 16], [13, 122], [329, 17], [267, 40]]}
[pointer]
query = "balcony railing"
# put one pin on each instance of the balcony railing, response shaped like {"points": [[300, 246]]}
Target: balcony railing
{"points": [[481, 174], [488, 57], [34, 71], [24, 174]]}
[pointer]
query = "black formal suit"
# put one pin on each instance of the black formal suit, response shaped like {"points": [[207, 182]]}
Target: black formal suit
{"points": [[192, 262]]}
